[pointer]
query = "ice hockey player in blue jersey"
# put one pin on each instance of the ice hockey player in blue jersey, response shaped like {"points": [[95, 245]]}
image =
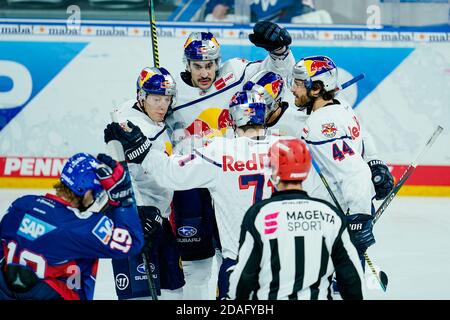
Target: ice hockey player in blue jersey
{"points": [[51, 243]]}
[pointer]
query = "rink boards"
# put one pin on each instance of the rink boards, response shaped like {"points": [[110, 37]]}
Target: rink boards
{"points": [[58, 84]]}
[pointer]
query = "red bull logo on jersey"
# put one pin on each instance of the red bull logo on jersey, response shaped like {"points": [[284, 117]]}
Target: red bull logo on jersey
{"points": [[230, 164], [212, 119], [271, 223], [355, 130], [329, 130]]}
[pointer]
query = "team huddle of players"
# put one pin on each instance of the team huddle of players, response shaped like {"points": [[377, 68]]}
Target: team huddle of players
{"points": [[206, 177]]}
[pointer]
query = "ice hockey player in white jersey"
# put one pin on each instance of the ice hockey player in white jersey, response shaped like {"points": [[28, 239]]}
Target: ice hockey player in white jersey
{"points": [[156, 94], [206, 86], [335, 137], [291, 244], [231, 169], [204, 91]]}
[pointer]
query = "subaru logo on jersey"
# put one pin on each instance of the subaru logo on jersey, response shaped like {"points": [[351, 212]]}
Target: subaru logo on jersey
{"points": [[32, 228], [187, 231], [24, 75], [103, 230], [141, 268], [122, 281]]}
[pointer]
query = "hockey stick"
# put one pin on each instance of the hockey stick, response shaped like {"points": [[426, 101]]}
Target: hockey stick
{"points": [[153, 35], [406, 174], [116, 149], [382, 277], [350, 82]]}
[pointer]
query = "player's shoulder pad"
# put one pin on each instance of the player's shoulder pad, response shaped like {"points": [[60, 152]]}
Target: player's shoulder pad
{"points": [[24, 201]]}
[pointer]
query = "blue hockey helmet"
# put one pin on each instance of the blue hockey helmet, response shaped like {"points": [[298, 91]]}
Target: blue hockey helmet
{"points": [[78, 174], [247, 108], [156, 81], [269, 85], [201, 46]]}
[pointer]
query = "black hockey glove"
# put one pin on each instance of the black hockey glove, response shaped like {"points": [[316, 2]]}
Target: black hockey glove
{"points": [[360, 229], [381, 178], [135, 144], [270, 36], [115, 180], [276, 114], [151, 221]]}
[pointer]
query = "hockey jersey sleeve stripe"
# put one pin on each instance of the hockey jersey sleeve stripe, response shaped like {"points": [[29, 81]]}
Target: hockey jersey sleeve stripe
{"points": [[217, 92], [275, 267], [327, 141], [158, 134], [207, 159]]}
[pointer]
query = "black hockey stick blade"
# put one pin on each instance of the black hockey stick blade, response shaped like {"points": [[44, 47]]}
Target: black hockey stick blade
{"points": [[384, 279]]}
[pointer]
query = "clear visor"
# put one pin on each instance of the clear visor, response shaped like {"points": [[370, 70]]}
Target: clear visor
{"points": [[295, 82]]}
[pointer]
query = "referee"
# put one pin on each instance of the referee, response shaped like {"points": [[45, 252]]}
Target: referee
{"points": [[291, 244]]}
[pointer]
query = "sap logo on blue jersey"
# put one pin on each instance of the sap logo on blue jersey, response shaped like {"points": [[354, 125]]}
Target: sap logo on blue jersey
{"points": [[187, 231], [32, 228], [103, 230]]}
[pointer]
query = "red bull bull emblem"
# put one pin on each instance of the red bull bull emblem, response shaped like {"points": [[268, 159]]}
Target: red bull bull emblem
{"points": [[318, 65], [276, 87], [202, 50], [249, 112], [329, 130], [166, 84], [143, 75]]}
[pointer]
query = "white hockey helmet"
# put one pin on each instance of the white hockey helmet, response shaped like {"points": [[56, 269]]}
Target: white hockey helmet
{"points": [[317, 68]]}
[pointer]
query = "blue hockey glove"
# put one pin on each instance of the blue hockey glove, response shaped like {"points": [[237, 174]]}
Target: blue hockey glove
{"points": [[151, 221], [270, 36], [381, 178], [135, 144], [115, 180], [360, 229]]}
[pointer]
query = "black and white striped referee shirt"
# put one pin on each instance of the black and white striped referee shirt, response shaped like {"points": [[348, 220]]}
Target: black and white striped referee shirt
{"points": [[290, 246]]}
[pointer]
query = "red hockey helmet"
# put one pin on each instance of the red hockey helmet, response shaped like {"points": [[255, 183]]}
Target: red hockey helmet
{"points": [[289, 160]]}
